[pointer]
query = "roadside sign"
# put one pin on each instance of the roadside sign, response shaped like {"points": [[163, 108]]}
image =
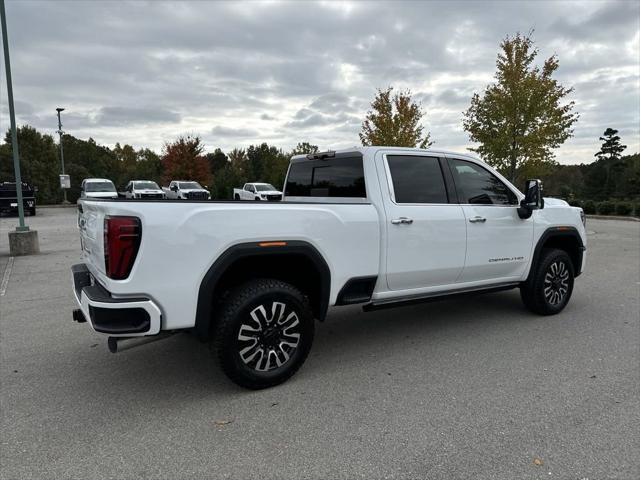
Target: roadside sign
{"points": [[65, 181]]}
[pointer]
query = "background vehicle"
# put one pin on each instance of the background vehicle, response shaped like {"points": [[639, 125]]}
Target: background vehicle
{"points": [[9, 198], [375, 226], [186, 190], [143, 189], [257, 191], [98, 188]]}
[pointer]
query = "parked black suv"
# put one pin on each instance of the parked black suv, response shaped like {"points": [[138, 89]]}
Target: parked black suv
{"points": [[9, 198]]}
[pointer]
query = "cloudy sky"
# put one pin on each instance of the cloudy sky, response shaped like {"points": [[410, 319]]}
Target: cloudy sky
{"points": [[282, 72]]}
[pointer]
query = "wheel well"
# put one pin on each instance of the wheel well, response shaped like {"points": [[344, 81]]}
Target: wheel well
{"points": [[299, 265], [570, 244]]}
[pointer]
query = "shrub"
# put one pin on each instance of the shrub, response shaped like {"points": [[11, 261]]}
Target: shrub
{"points": [[575, 203], [589, 207], [637, 209], [606, 208], [624, 208]]}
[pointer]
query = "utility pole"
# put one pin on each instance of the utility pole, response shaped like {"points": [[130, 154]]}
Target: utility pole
{"points": [[12, 115], [22, 241], [60, 132]]}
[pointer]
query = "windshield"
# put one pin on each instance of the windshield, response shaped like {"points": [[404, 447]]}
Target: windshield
{"points": [[265, 187], [146, 186], [189, 185], [99, 187]]}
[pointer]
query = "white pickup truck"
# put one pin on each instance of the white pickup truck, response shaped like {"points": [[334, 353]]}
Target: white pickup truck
{"points": [[381, 227], [186, 190], [257, 191]]}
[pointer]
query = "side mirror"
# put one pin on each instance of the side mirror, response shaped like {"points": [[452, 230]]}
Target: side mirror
{"points": [[532, 198]]}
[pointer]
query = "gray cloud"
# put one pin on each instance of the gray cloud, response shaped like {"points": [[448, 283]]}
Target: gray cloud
{"points": [[234, 132], [298, 71], [125, 116]]}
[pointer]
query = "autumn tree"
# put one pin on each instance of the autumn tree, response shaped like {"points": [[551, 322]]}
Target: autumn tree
{"points": [[524, 115], [394, 120], [183, 160]]}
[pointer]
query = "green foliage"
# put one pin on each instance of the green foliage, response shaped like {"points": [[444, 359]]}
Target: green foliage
{"points": [[39, 163], [304, 147], [606, 208], [394, 121], [611, 146], [589, 207], [575, 203], [522, 117], [624, 208]]}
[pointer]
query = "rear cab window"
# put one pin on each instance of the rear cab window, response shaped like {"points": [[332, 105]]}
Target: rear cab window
{"points": [[417, 179], [340, 176]]}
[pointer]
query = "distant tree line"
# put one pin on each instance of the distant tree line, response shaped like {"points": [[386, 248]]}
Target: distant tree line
{"points": [[182, 159]]}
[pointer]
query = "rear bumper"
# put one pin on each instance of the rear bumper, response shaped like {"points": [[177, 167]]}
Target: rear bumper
{"points": [[127, 317]]}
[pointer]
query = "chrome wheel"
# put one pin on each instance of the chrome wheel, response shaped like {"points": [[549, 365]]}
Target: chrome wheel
{"points": [[556, 283], [269, 337]]}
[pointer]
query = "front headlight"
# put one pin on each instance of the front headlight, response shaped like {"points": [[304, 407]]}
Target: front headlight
{"points": [[583, 217], [263, 195]]}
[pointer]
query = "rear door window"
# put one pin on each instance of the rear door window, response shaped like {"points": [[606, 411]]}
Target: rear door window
{"points": [[417, 179], [341, 176]]}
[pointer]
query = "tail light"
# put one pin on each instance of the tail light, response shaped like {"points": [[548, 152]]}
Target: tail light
{"points": [[122, 237]]}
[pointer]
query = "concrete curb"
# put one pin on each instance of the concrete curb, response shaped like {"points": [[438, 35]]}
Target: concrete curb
{"points": [[614, 217]]}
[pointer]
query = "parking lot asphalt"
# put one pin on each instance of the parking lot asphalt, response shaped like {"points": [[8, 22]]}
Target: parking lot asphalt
{"points": [[477, 388]]}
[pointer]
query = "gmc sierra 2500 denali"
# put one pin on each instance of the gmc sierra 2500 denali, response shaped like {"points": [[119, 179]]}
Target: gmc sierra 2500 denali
{"points": [[376, 226]]}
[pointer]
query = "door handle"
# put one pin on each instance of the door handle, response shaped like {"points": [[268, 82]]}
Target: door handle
{"points": [[402, 220], [477, 219]]}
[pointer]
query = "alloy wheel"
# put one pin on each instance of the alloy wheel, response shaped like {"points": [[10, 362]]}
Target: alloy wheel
{"points": [[556, 283], [269, 337]]}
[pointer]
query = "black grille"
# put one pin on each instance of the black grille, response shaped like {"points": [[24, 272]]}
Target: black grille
{"points": [[197, 195], [151, 195], [274, 198]]}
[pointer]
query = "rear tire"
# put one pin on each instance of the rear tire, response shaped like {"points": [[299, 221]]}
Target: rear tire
{"points": [[236, 197], [548, 288], [263, 334]]}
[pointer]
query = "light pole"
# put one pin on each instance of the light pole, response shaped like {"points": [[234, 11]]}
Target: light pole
{"points": [[60, 132], [22, 241]]}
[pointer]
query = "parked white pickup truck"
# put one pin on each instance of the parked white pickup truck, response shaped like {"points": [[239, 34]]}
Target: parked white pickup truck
{"points": [[186, 190], [257, 191], [143, 189], [377, 226]]}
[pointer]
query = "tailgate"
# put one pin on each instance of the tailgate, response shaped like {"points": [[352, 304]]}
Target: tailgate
{"points": [[91, 225]]}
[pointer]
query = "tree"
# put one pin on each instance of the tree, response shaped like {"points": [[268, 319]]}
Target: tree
{"points": [[304, 147], [609, 158], [183, 160], [520, 118], [611, 147], [217, 161], [394, 121], [39, 163]]}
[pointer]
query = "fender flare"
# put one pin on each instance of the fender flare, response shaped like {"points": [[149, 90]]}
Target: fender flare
{"points": [[553, 232], [204, 309]]}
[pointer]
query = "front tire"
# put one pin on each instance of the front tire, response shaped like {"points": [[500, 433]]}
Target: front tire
{"points": [[264, 333], [549, 287], [236, 197]]}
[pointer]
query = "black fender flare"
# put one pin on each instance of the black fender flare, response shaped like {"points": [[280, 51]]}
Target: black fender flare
{"points": [[553, 232], [204, 309]]}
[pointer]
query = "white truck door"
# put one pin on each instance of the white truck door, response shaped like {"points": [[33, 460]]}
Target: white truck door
{"points": [[426, 234], [498, 241]]}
